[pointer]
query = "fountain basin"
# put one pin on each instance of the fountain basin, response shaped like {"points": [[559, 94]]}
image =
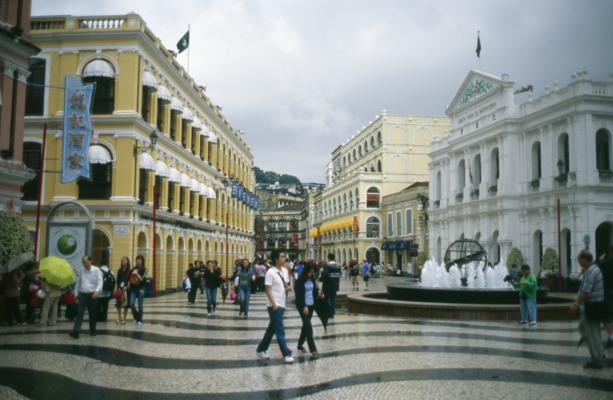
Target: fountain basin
{"points": [[464, 295]]}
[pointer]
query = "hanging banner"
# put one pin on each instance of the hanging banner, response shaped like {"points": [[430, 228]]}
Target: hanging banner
{"points": [[77, 129], [234, 190]]}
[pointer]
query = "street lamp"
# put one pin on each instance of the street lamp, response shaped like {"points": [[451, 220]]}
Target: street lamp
{"points": [[153, 138]]}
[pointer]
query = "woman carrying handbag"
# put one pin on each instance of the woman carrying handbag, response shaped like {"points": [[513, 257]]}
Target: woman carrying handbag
{"points": [[306, 295], [120, 294]]}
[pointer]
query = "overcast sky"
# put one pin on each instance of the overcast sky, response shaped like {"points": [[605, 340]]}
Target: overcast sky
{"points": [[300, 77]]}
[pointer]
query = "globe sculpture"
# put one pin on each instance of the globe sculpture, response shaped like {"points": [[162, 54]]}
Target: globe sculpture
{"points": [[462, 252]]}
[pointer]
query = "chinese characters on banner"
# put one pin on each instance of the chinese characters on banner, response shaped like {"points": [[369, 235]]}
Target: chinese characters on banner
{"points": [[77, 129], [242, 194]]}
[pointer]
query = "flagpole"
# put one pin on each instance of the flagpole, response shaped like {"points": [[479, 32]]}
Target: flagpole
{"points": [[188, 46]]}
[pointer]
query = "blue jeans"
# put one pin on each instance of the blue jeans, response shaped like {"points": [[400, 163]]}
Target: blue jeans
{"points": [[527, 308], [331, 298], [275, 327], [133, 296], [244, 293], [211, 299]]}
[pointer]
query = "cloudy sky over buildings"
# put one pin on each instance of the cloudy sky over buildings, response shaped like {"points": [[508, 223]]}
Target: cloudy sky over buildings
{"points": [[300, 77]]}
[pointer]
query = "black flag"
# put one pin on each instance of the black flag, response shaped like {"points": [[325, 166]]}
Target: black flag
{"points": [[478, 50], [183, 42]]}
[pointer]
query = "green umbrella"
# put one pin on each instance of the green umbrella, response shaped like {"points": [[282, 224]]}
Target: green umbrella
{"points": [[57, 271]]}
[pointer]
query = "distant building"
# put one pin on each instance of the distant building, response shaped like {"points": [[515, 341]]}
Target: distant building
{"points": [[281, 225], [385, 157], [405, 226], [498, 175], [16, 48]]}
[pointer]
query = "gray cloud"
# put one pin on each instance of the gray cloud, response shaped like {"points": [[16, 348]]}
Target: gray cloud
{"points": [[299, 77]]}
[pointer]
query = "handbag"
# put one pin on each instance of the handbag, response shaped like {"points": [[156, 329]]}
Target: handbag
{"points": [[69, 298], [118, 294], [596, 310]]}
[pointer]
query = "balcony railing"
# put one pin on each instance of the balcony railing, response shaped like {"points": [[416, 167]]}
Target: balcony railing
{"points": [[459, 197], [605, 175], [474, 193], [492, 190], [562, 179], [535, 184]]}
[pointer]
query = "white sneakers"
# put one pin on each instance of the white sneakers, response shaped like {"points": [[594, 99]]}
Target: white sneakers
{"points": [[262, 355]]}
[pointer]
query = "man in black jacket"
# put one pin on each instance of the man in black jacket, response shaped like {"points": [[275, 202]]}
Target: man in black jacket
{"points": [[194, 280], [330, 278]]}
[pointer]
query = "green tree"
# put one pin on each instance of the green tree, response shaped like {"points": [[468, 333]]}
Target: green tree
{"points": [[14, 237], [422, 257], [515, 257], [549, 261]]}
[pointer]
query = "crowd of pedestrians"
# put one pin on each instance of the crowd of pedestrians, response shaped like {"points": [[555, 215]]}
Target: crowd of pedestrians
{"points": [[276, 277]]}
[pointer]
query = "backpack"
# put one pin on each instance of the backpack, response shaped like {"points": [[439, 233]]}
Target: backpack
{"points": [[108, 281]]}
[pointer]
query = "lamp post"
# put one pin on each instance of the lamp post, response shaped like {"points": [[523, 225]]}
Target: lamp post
{"points": [[153, 138], [228, 187]]}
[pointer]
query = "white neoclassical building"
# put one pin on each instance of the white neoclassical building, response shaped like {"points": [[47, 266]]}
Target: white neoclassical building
{"points": [[497, 177]]}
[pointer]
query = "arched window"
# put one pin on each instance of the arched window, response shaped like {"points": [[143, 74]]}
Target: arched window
{"points": [[477, 170], [536, 161], [101, 169], [603, 150], [379, 138], [354, 155], [461, 175], [537, 249], [102, 73], [365, 146], [372, 142], [372, 167], [437, 188], [373, 197], [563, 162], [494, 167], [379, 166], [31, 158], [360, 150], [349, 158], [372, 227]]}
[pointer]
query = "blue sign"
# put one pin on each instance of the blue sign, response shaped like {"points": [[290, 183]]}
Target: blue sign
{"points": [[234, 190], [77, 129]]}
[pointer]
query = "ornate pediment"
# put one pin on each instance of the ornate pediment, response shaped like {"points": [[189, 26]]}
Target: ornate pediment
{"points": [[476, 85]]}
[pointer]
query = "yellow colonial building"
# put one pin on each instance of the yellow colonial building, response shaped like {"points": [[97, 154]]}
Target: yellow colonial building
{"points": [[382, 158], [140, 89]]}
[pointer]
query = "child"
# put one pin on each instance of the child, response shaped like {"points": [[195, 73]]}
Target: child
{"points": [[224, 289]]}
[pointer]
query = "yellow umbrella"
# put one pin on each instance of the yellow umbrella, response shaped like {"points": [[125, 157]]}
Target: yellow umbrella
{"points": [[57, 271]]}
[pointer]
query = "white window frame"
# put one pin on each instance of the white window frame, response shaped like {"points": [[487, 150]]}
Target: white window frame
{"points": [[399, 223], [390, 225], [409, 228]]}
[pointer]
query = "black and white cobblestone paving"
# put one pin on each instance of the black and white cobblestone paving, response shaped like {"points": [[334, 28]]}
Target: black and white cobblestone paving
{"points": [[179, 353]]}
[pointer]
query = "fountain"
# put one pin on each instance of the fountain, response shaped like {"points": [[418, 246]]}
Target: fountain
{"points": [[463, 287]]}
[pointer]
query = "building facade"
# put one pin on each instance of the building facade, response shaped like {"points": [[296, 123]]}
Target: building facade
{"points": [[282, 228], [405, 227], [186, 176], [384, 157], [16, 48], [500, 173]]}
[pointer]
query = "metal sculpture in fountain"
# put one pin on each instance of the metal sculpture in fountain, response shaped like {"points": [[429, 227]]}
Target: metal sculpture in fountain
{"points": [[462, 252]]}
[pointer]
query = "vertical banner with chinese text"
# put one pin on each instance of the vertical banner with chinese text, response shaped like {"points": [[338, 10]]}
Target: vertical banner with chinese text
{"points": [[77, 129]]}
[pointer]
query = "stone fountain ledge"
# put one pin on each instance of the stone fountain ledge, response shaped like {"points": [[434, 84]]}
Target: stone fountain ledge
{"points": [[376, 303]]}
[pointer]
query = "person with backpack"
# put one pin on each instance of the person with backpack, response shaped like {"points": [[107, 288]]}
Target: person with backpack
{"points": [[330, 278], [136, 289], [244, 279], [108, 286]]}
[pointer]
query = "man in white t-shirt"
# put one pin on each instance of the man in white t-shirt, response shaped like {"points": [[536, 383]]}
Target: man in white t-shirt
{"points": [[276, 285]]}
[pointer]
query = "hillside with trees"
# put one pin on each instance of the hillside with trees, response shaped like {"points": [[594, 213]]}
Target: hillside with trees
{"points": [[271, 177]]}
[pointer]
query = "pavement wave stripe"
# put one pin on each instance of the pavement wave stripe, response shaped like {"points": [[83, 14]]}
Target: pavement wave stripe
{"points": [[500, 328], [128, 359], [20, 379], [168, 339]]}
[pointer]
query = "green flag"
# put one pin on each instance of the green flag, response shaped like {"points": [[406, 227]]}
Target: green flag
{"points": [[183, 42]]}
